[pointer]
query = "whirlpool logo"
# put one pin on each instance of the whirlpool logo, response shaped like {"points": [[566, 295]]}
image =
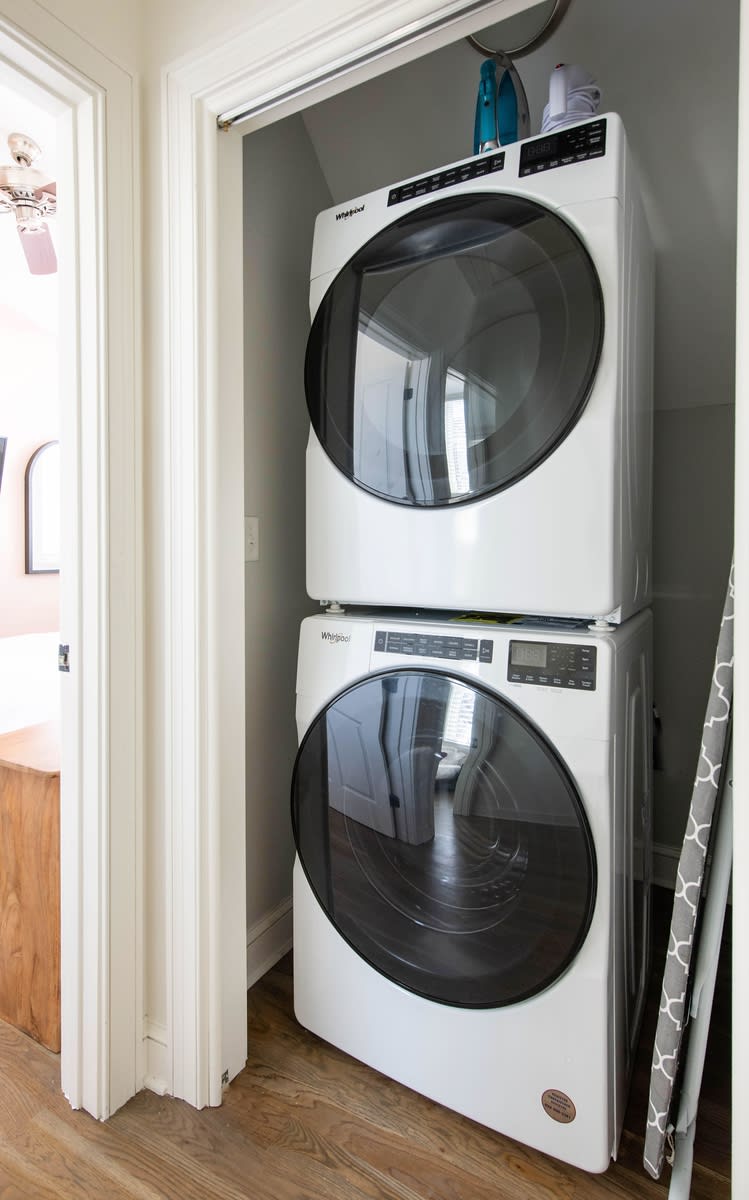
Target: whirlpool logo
{"points": [[335, 638], [349, 212]]}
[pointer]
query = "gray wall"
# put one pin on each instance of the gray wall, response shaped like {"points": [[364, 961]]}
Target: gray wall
{"points": [[672, 76], [283, 192]]}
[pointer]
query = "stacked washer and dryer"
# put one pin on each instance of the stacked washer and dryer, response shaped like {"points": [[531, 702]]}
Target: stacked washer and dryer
{"points": [[471, 799]]}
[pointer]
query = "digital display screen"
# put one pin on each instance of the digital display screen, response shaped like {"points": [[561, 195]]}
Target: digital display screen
{"points": [[541, 149], [528, 654]]}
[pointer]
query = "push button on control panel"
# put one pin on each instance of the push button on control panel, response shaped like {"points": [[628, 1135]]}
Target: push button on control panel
{"points": [[486, 650]]}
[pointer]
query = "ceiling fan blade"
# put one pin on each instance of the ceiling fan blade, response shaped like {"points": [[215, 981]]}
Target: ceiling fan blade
{"points": [[39, 250], [50, 189]]}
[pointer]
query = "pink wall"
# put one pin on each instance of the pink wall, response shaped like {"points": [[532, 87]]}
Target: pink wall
{"points": [[29, 416]]}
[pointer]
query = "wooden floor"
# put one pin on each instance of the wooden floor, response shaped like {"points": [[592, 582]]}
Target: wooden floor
{"points": [[304, 1122]]}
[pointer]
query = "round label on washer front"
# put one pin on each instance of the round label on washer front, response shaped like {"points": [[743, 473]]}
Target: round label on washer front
{"points": [[558, 1106]]}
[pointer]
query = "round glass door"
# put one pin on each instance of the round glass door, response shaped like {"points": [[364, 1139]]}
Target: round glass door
{"points": [[455, 351], [444, 838]]}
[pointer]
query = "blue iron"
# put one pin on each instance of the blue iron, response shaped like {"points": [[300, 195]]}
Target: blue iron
{"points": [[501, 111], [507, 110], [485, 124]]}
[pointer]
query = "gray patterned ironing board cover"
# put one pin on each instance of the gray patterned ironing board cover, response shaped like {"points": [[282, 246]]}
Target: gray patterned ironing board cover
{"points": [[673, 1014]]}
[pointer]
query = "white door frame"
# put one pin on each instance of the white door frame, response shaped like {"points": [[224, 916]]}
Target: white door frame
{"points": [[101, 948]]}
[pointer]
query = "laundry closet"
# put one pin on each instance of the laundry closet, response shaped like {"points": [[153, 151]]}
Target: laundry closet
{"points": [[677, 98], [676, 94]]}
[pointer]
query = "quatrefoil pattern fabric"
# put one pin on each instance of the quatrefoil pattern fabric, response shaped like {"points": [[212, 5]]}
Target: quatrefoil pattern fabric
{"points": [[673, 1012]]}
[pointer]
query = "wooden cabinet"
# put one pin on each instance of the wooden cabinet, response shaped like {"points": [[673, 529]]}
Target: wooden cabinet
{"points": [[30, 881]]}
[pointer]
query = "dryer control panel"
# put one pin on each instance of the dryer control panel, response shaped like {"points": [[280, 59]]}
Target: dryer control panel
{"points": [[487, 164], [563, 148], [552, 664], [427, 645]]}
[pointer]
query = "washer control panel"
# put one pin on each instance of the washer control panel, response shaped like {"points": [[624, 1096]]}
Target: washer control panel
{"points": [[552, 664], [563, 148], [427, 645], [476, 169]]}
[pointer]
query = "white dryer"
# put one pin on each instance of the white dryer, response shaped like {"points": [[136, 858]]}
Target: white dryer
{"points": [[471, 807], [479, 382]]}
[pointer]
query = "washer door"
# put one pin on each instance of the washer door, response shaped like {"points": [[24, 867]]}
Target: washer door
{"points": [[455, 351], [444, 838]]}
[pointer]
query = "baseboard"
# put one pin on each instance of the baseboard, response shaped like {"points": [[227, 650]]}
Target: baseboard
{"points": [[157, 1065], [268, 940], [665, 864]]}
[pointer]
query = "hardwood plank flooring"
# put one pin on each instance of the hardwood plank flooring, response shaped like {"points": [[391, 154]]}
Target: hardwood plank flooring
{"points": [[30, 881], [305, 1122]]}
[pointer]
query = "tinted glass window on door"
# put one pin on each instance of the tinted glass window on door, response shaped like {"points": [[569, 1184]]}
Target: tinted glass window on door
{"points": [[456, 350], [444, 838]]}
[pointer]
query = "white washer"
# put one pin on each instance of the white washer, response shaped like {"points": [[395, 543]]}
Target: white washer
{"points": [[479, 381], [471, 807]]}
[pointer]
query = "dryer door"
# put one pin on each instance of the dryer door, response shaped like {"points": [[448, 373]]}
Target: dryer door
{"points": [[455, 351], [444, 838]]}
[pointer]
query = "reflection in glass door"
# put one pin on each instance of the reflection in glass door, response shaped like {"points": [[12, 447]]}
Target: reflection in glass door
{"points": [[444, 838], [455, 350]]}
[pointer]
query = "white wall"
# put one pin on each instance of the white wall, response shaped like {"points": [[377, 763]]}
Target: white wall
{"points": [[112, 27], [30, 390], [676, 93], [29, 417], [29, 680], [283, 192]]}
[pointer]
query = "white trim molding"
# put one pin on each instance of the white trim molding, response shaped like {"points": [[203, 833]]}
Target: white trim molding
{"points": [[191, 716], [101, 611], [665, 865], [158, 1057], [268, 940]]}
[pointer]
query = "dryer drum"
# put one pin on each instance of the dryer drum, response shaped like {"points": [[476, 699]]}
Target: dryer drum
{"points": [[456, 350], [444, 838]]}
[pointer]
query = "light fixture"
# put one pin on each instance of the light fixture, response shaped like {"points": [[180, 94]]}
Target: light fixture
{"points": [[31, 196]]}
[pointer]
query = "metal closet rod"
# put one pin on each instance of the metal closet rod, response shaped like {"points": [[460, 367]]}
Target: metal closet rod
{"points": [[411, 32], [416, 29], [550, 24]]}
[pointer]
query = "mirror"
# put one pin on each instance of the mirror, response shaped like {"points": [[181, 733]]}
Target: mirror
{"points": [[43, 510]]}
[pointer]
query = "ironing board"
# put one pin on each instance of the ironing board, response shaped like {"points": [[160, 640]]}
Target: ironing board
{"points": [[694, 940]]}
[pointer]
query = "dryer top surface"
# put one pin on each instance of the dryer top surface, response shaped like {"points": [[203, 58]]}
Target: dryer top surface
{"points": [[568, 167]]}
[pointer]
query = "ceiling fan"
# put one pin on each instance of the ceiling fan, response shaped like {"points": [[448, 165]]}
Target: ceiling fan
{"points": [[29, 194]]}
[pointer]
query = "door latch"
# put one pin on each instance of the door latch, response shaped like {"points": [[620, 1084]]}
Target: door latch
{"points": [[63, 658]]}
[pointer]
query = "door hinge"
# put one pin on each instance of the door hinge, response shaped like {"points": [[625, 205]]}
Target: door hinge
{"points": [[63, 658]]}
